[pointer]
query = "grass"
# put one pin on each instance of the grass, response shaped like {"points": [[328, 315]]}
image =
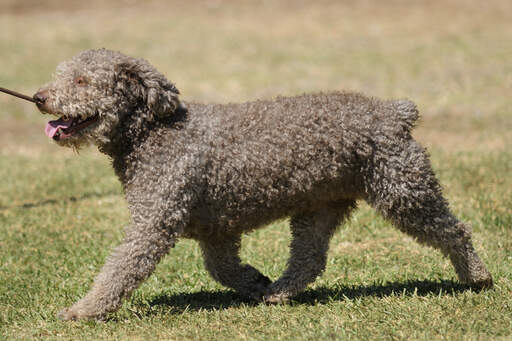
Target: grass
{"points": [[60, 213]]}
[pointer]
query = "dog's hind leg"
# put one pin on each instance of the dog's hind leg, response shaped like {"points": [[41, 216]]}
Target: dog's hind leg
{"points": [[223, 262], [406, 192], [311, 233]]}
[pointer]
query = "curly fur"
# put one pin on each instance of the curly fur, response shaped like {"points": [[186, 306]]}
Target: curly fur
{"points": [[212, 172]]}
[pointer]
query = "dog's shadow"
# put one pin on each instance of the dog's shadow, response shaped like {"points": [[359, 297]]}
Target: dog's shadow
{"points": [[215, 300]]}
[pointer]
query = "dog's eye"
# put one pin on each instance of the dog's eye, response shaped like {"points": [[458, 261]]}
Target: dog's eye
{"points": [[80, 81]]}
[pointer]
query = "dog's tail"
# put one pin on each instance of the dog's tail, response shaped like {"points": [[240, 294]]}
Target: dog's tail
{"points": [[407, 113]]}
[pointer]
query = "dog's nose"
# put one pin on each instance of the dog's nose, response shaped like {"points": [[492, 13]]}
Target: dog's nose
{"points": [[41, 96]]}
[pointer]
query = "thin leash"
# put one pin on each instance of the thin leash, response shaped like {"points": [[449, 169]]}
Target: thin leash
{"points": [[17, 94]]}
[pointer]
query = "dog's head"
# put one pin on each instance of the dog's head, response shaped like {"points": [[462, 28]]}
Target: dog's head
{"points": [[97, 91]]}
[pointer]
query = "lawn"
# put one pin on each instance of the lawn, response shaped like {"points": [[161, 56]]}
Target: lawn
{"points": [[61, 212]]}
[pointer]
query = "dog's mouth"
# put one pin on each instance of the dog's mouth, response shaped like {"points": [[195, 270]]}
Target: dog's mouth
{"points": [[66, 127]]}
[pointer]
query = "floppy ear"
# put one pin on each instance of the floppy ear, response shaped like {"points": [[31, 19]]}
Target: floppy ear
{"points": [[143, 85]]}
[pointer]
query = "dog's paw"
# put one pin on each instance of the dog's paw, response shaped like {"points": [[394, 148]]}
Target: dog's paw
{"points": [[68, 315], [483, 284], [260, 288], [280, 298], [75, 314]]}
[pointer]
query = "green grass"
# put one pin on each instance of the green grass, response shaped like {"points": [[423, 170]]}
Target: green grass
{"points": [[61, 213]]}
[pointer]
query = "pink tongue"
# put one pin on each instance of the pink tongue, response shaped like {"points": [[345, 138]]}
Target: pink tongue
{"points": [[53, 126]]}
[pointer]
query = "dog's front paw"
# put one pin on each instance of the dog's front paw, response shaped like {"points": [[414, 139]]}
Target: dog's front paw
{"points": [[68, 314], [75, 314], [260, 288], [277, 298]]}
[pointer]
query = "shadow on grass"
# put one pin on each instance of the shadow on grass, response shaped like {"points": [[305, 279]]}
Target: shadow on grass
{"points": [[205, 300], [69, 199], [409, 288]]}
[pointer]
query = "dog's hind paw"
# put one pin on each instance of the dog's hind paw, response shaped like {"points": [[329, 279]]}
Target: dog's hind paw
{"points": [[484, 284]]}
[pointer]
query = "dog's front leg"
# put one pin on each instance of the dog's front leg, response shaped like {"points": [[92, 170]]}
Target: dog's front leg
{"points": [[129, 265], [222, 260]]}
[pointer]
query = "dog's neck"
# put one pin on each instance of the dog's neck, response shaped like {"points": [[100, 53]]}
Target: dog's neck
{"points": [[121, 148]]}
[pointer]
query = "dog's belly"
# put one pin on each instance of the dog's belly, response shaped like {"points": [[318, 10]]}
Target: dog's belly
{"points": [[235, 212]]}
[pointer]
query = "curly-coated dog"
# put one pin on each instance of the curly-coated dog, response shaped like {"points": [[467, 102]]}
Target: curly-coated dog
{"points": [[211, 172]]}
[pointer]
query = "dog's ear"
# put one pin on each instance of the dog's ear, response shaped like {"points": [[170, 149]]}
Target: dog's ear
{"points": [[144, 85]]}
